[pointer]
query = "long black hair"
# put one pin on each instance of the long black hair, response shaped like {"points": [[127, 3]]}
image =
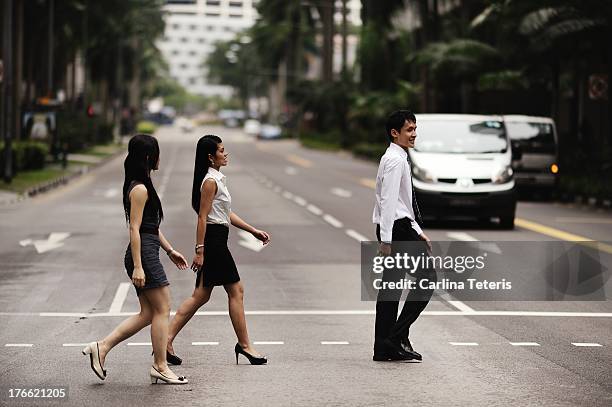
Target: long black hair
{"points": [[206, 145], [143, 154]]}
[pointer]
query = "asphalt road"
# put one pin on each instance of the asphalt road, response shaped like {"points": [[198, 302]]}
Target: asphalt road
{"points": [[62, 283]]}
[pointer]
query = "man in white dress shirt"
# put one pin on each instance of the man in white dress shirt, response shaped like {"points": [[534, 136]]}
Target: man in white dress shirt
{"points": [[397, 216]]}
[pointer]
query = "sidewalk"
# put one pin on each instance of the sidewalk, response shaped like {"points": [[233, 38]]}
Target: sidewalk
{"points": [[7, 197], [79, 164]]}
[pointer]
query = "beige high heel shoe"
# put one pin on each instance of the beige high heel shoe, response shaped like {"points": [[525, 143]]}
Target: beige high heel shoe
{"points": [[157, 375], [93, 350]]}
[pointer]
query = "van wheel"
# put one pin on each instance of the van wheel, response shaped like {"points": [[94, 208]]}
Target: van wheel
{"points": [[506, 222]]}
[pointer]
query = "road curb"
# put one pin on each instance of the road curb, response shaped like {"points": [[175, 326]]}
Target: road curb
{"points": [[57, 182]]}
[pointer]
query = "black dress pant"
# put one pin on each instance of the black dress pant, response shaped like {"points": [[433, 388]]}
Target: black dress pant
{"points": [[388, 324]]}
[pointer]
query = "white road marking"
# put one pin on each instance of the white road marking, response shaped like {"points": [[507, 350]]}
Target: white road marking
{"points": [[269, 342], [334, 343], [287, 195], [54, 241], [249, 241], [357, 236], [317, 211], [139, 344], [332, 221], [586, 344], [557, 314], [204, 343], [167, 173], [269, 184], [277, 189], [19, 345], [461, 306], [524, 344], [119, 299], [291, 170], [111, 193], [342, 193], [74, 344], [299, 200], [464, 343], [464, 237]]}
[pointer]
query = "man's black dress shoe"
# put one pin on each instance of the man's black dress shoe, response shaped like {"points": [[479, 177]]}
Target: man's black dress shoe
{"points": [[407, 346], [397, 351]]}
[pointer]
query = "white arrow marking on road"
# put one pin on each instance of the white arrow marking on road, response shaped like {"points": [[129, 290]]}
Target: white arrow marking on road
{"points": [[249, 241], [53, 242], [291, 171], [342, 193]]}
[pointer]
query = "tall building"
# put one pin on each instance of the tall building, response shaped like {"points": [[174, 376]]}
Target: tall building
{"points": [[192, 28]]}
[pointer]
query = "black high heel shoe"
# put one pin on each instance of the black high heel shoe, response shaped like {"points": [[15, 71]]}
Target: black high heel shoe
{"points": [[172, 359], [253, 359]]}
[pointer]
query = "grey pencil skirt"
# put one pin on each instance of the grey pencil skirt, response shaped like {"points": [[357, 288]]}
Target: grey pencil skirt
{"points": [[155, 276]]}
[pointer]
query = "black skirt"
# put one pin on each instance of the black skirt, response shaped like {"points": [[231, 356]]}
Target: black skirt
{"points": [[155, 276], [219, 267]]}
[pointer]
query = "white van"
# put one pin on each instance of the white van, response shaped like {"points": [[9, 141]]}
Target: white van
{"points": [[535, 138], [461, 166]]}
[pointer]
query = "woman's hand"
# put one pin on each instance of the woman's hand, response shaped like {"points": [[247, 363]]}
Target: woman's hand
{"points": [[261, 235], [138, 277], [178, 259], [198, 260]]}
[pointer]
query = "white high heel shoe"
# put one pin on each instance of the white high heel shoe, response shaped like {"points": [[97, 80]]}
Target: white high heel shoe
{"points": [[94, 359], [157, 375]]}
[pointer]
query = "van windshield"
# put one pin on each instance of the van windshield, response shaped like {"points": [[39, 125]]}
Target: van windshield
{"points": [[532, 137], [461, 137]]}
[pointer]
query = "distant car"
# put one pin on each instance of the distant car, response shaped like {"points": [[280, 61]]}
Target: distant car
{"points": [[270, 131], [252, 127], [185, 124], [535, 160]]}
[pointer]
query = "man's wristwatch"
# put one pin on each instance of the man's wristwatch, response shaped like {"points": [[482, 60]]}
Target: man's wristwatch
{"points": [[198, 246]]}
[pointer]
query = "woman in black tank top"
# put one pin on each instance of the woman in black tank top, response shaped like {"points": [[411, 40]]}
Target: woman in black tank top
{"points": [[144, 213]]}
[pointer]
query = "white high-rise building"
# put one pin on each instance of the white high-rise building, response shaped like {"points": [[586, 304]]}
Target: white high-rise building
{"points": [[194, 26], [192, 29]]}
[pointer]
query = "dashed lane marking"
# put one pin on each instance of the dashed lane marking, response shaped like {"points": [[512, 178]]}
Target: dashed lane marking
{"points": [[586, 344], [464, 343], [332, 221]]}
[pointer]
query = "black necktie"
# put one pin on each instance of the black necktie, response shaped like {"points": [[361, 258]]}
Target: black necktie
{"points": [[415, 204]]}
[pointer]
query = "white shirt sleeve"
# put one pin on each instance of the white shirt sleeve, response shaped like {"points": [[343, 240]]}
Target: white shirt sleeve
{"points": [[389, 197]]}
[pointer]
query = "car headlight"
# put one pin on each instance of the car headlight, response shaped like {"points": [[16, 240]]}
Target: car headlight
{"points": [[422, 175], [503, 176]]}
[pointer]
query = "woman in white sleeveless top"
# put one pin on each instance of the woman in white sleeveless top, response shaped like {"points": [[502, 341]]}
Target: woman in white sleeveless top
{"points": [[213, 261]]}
